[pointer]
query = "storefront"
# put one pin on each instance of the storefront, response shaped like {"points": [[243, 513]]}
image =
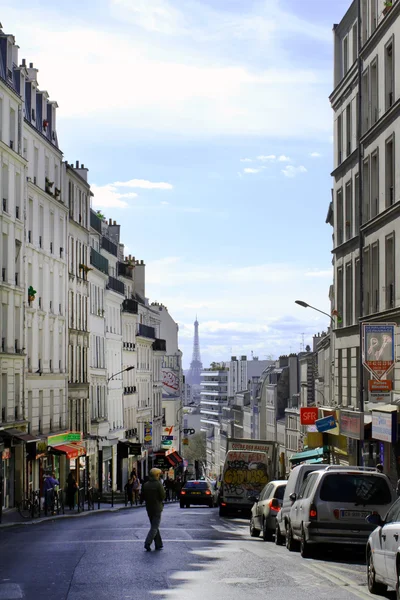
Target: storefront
{"points": [[352, 428], [170, 463], [65, 453], [127, 457], [382, 445]]}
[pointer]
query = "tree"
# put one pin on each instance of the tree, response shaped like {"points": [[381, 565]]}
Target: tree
{"points": [[197, 448]]}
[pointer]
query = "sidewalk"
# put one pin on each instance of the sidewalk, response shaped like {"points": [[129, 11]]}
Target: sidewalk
{"points": [[11, 517]]}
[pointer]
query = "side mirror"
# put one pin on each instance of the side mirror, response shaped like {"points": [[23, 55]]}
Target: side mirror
{"points": [[254, 498], [293, 497], [375, 519]]}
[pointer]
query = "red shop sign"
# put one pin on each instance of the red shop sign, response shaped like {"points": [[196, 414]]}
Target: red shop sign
{"points": [[6, 454], [308, 415]]}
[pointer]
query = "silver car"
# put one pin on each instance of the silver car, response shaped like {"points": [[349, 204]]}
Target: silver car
{"points": [[383, 552], [265, 509], [333, 505]]}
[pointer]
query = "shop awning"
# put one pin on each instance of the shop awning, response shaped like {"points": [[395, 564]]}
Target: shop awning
{"points": [[73, 450], [174, 459], [20, 435], [308, 455]]}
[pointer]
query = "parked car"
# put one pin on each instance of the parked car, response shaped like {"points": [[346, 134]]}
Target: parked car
{"points": [[332, 507], [296, 479], [265, 509], [383, 551], [197, 492]]}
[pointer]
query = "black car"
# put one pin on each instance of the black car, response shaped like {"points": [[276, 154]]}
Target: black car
{"points": [[196, 492]]}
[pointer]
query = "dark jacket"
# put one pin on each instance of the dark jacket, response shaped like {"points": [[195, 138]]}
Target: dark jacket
{"points": [[153, 494]]}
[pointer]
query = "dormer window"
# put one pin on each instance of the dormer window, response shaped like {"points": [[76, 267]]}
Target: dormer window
{"points": [[9, 61]]}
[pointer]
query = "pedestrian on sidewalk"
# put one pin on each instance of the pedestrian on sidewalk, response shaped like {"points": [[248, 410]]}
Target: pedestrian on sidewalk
{"points": [[129, 490], [135, 489], [153, 494], [71, 491]]}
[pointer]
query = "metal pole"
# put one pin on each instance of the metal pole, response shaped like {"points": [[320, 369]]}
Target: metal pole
{"points": [[100, 475], [360, 221]]}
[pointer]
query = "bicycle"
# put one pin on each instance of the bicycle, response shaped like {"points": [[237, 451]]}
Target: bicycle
{"points": [[29, 507]]}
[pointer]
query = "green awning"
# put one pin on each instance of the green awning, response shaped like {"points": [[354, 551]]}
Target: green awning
{"points": [[308, 455]]}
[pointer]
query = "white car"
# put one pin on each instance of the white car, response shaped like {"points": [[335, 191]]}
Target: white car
{"points": [[265, 509], [383, 552]]}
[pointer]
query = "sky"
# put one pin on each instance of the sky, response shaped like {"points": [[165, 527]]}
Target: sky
{"points": [[207, 131]]}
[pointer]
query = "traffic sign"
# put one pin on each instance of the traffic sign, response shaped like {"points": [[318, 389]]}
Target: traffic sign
{"points": [[189, 431]]}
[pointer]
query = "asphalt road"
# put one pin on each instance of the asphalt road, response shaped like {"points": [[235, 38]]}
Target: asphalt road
{"points": [[101, 557]]}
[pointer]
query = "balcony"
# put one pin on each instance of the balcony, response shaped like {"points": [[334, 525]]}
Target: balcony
{"points": [[95, 221], [130, 389], [109, 246], [130, 306], [125, 270], [98, 261], [159, 345], [116, 285], [128, 346], [146, 331]]}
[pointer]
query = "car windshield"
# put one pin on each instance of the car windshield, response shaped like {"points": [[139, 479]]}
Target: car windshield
{"points": [[279, 492], [199, 485], [355, 488]]}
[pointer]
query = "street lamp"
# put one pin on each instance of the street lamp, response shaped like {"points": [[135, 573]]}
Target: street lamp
{"points": [[119, 372], [306, 305]]}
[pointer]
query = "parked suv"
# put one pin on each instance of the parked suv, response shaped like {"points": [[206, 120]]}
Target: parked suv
{"points": [[296, 479], [333, 504], [265, 509]]}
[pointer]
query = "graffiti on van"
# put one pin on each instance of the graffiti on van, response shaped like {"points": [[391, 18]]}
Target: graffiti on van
{"points": [[245, 473]]}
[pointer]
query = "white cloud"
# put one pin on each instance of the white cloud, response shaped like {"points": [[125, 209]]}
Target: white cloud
{"points": [[291, 171], [108, 196], [246, 160], [270, 157], [251, 170], [315, 154], [164, 202], [319, 273], [283, 158], [144, 184]]}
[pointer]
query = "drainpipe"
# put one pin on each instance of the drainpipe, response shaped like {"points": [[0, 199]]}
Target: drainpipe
{"points": [[360, 366]]}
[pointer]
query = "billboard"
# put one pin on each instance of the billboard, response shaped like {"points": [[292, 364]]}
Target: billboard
{"points": [[308, 415], [167, 437], [171, 376], [378, 348], [148, 434]]}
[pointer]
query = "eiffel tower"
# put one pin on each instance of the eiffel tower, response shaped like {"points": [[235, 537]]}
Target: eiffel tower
{"points": [[193, 376]]}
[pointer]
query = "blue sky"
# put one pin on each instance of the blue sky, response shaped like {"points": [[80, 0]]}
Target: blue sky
{"points": [[207, 131]]}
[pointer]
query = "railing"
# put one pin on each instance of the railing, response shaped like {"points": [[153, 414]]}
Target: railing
{"points": [[160, 345], [130, 306], [146, 331], [95, 221], [116, 285], [98, 261], [130, 389], [109, 246], [125, 270], [128, 346]]}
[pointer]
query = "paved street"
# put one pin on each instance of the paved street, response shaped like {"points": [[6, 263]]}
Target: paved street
{"points": [[101, 557]]}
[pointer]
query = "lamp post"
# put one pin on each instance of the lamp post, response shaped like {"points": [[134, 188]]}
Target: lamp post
{"points": [[119, 372], [306, 305]]}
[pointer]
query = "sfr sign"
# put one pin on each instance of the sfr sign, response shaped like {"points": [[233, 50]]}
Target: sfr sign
{"points": [[308, 415]]}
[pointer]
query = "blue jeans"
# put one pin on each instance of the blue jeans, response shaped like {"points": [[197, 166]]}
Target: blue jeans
{"points": [[154, 533]]}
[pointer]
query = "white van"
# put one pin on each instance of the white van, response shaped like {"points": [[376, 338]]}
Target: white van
{"points": [[296, 478]]}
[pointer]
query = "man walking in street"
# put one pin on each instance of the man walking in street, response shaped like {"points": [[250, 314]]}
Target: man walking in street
{"points": [[153, 494]]}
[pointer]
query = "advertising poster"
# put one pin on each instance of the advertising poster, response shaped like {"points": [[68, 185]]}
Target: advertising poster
{"points": [[378, 348], [148, 433], [171, 373]]}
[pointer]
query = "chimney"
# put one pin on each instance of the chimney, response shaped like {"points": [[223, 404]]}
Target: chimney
{"points": [[77, 164], [115, 222], [110, 221], [24, 62], [82, 166], [31, 65]]}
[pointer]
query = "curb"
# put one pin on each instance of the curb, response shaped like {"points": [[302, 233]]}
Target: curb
{"points": [[72, 516]]}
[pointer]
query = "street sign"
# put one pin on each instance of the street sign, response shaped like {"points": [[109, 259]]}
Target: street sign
{"points": [[308, 415], [185, 442], [378, 348], [189, 431], [326, 424], [383, 385]]}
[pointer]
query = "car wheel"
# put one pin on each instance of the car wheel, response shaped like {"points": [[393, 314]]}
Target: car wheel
{"points": [[373, 586], [187, 505], [290, 542], [305, 549], [279, 539], [222, 511], [181, 505], [253, 531], [266, 533], [211, 505]]}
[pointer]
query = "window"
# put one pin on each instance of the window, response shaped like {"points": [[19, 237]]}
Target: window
{"points": [[364, 21], [357, 289], [366, 192], [339, 127], [367, 280], [355, 489], [375, 276], [349, 294], [279, 492], [389, 75], [339, 217], [374, 185], [348, 129], [308, 486], [374, 92], [356, 205], [345, 55], [339, 284], [389, 172], [355, 42], [349, 212], [266, 491], [373, 16], [389, 271], [340, 377], [394, 513], [365, 101]]}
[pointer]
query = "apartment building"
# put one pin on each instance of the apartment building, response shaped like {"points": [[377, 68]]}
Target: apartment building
{"points": [[365, 102]]}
